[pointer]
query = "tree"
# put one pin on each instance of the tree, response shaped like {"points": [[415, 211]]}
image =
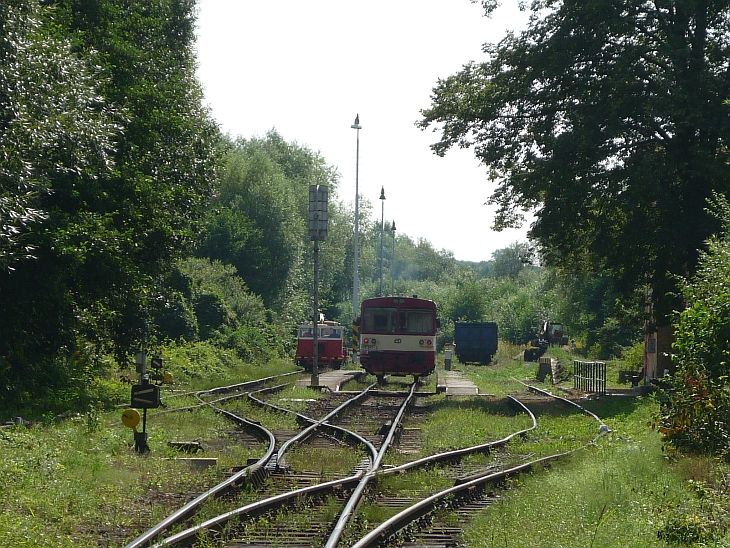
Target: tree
{"points": [[49, 101], [510, 261], [420, 261], [258, 222], [468, 299], [695, 415], [107, 135], [143, 215], [607, 119], [55, 131]]}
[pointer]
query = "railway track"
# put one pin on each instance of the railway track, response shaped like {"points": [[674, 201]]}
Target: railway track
{"points": [[437, 520], [318, 433], [291, 502], [286, 487], [234, 481]]}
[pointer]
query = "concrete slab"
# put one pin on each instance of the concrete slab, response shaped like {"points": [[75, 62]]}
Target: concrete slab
{"points": [[332, 380], [455, 384]]}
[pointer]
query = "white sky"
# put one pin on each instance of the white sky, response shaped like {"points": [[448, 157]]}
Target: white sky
{"points": [[306, 68]]}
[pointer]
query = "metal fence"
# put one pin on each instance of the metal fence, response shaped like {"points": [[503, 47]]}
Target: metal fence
{"points": [[589, 376]]}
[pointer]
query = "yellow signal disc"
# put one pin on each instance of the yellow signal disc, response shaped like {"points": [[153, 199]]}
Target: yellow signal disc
{"points": [[130, 418], [167, 378]]}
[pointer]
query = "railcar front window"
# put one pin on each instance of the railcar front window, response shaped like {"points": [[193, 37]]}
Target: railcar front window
{"points": [[378, 320], [417, 321], [391, 320]]}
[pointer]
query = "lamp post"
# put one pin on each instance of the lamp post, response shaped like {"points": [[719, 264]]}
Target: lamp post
{"points": [[392, 260], [356, 253], [382, 234]]}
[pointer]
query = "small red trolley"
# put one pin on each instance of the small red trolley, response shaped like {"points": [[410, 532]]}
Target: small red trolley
{"points": [[331, 351]]}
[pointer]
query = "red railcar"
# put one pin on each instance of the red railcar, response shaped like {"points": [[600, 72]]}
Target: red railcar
{"points": [[331, 351], [398, 336]]}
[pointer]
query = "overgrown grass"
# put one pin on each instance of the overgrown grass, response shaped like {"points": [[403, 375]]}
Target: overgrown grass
{"points": [[64, 484], [273, 420], [623, 491], [559, 429], [458, 422], [199, 368], [328, 462], [78, 482], [497, 378]]}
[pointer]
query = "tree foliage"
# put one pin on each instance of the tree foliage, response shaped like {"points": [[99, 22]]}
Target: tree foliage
{"points": [[697, 412], [607, 119], [258, 223], [54, 125], [105, 134]]}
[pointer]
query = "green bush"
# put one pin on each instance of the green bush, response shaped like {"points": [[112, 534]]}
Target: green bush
{"points": [[197, 360], [251, 344], [633, 356], [698, 399], [687, 529], [175, 318], [106, 393]]}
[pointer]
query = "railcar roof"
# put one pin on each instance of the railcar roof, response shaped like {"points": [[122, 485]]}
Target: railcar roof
{"points": [[413, 302]]}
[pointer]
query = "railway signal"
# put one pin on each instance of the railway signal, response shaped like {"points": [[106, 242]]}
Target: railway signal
{"points": [[145, 395], [318, 221]]}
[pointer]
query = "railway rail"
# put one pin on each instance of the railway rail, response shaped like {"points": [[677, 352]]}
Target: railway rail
{"points": [[272, 460], [277, 486], [234, 480], [291, 496], [468, 494]]}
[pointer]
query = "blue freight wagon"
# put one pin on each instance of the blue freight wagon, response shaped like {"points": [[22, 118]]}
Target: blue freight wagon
{"points": [[476, 342]]}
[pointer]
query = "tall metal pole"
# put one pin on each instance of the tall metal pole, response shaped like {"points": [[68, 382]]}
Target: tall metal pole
{"points": [[356, 253], [392, 262], [315, 319], [382, 234], [318, 222]]}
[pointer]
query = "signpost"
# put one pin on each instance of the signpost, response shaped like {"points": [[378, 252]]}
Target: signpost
{"points": [[145, 395], [318, 221]]}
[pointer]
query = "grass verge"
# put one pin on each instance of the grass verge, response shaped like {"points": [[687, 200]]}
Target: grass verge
{"points": [[624, 491], [77, 482]]}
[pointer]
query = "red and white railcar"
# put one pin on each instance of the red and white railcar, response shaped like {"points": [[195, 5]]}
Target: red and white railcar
{"points": [[398, 336], [331, 350]]}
